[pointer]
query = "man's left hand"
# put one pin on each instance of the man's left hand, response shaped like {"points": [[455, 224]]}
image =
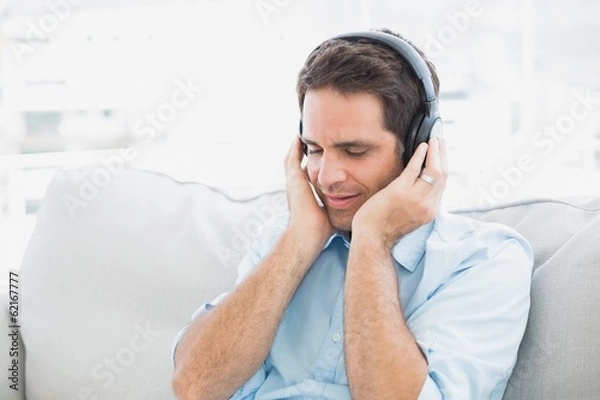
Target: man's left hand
{"points": [[409, 201]]}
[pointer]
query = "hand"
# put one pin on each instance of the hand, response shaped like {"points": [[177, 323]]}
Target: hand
{"points": [[305, 214], [408, 202]]}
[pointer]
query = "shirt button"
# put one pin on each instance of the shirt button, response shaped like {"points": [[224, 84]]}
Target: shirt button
{"points": [[336, 337], [307, 386]]}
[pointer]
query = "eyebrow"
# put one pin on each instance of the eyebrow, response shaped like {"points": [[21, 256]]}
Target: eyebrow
{"points": [[342, 145]]}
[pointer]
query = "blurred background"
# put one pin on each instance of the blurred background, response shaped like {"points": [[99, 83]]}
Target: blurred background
{"points": [[204, 90]]}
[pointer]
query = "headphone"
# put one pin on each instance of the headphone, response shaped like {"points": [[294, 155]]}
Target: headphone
{"points": [[425, 124]]}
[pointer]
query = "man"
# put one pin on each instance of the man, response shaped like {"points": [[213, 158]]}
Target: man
{"points": [[378, 294]]}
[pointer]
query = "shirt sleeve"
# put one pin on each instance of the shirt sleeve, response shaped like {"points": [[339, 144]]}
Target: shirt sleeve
{"points": [[203, 309], [471, 326]]}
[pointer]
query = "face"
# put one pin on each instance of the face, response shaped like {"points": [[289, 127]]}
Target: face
{"points": [[351, 156]]}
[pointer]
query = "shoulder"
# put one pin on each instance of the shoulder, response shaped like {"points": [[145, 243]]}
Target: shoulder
{"points": [[264, 240], [467, 242], [268, 235]]}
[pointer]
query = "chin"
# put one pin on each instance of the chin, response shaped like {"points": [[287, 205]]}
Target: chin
{"points": [[341, 222]]}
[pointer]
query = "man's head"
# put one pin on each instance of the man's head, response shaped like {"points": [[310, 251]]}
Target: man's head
{"points": [[357, 100]]}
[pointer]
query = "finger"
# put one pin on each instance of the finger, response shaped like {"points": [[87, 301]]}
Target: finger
{"points": [[294, 155], [429, 176], [304, 169], [413, 168], [293, 146], [437, 164], [433, 163], [436, 167], [287, 155], [443, 156]]}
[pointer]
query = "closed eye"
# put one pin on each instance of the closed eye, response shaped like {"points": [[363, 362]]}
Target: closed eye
{"points": [[356, 153]]}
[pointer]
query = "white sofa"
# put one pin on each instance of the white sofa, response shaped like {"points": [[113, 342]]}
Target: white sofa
{"points": [[117, 264]]}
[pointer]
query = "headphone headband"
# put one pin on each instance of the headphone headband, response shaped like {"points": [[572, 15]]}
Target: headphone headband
{"points": [[412, 57]]}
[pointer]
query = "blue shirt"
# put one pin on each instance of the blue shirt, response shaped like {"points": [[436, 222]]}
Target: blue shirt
{"points": [[464, 286]]}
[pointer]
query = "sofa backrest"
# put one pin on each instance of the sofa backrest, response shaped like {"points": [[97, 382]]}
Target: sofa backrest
{"points": [[114, 269], [559, 357], [117, 264]]}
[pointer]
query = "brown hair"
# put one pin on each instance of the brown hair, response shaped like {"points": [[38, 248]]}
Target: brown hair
{"points": [[364, 66]]}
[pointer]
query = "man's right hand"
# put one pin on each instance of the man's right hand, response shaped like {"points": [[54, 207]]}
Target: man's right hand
{"points": [[306, 216], [217, 355]]}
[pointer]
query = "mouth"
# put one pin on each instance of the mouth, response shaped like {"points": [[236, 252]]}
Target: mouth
{"points": [[340, 202]]}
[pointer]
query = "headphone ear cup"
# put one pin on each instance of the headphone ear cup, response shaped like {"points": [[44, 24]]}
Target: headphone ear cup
{"points": [[424, 132], [304, 147], [412, 138]]}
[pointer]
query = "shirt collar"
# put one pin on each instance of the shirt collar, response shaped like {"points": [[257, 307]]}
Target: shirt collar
{"points": [[407, 251], [343, 235]]}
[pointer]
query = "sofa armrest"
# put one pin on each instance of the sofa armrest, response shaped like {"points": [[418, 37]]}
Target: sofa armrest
{"points": [[12, 359]]}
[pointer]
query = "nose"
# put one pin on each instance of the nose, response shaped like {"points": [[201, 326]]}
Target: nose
{"points": [[331, 171]]}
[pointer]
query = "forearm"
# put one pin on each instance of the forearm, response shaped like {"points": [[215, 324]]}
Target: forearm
{"points": [[383, 360], [224, 348]]}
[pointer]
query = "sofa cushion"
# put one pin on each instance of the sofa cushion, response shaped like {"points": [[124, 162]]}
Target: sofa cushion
{"points": [[559, 357], [113, 270]]}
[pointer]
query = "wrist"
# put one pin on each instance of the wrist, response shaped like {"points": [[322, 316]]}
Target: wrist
{"points": [[371, 236], [307, 244], [373, 254], [309, 232]]}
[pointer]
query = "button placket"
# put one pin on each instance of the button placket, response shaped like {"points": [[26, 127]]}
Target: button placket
{"points": [[332, 348]]}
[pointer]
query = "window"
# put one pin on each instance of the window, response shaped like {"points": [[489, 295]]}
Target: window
{"points": [[198, 84]]}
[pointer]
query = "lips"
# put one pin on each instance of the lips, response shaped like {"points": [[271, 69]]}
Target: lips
{"points": [[340, 202]]}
